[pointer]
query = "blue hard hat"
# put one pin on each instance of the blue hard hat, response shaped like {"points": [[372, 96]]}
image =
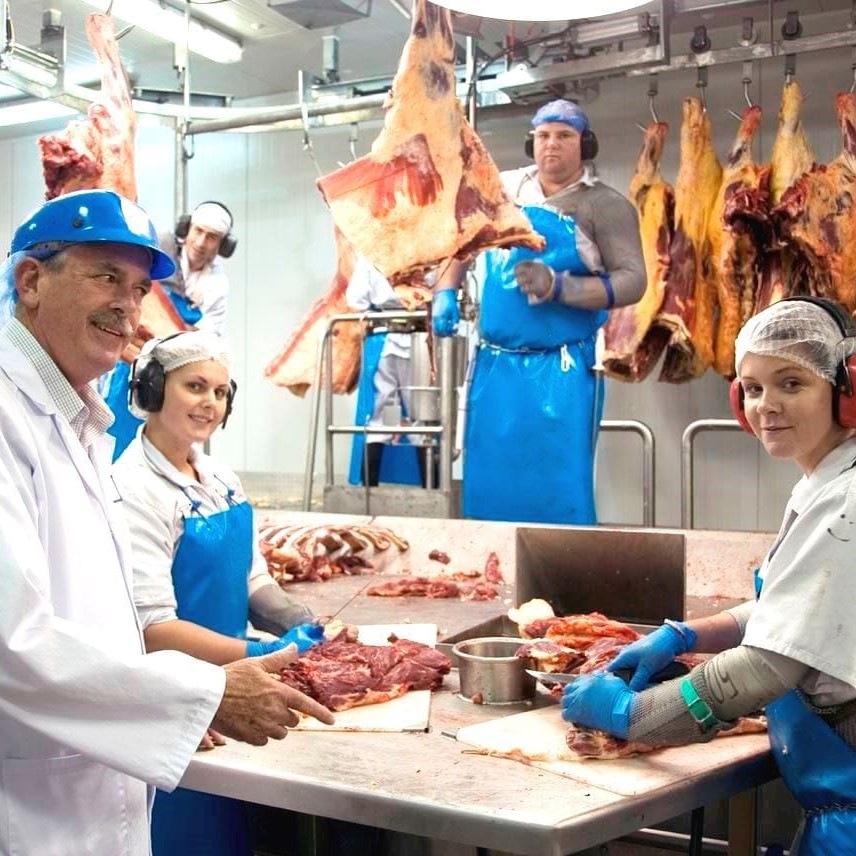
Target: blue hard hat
{"points": [[92, 216], [563, 111]]}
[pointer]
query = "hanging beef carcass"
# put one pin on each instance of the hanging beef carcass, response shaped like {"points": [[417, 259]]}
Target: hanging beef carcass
{"points": [[294, 366], [689, 306], [99, 151], [783, 272], [792, 153], [633, 341], [817, 216], [428, 190], [739, 230]]}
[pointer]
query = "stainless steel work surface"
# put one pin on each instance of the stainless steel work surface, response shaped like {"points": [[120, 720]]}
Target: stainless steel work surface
{"points": [[428, 784]]}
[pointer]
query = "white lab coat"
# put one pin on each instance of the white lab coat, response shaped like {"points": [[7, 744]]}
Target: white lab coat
{"points": [[85, 716]]}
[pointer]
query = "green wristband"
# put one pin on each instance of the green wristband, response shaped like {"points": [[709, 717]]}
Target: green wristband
{"points": [[698, 709]]}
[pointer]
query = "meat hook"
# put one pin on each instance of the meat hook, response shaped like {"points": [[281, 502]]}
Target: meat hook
{"points": [[124, 32], [736, 115], [653, 89]]}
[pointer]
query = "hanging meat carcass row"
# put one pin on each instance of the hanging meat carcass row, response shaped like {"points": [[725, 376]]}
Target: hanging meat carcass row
{"points": [[428, 190], [689, 307], [738, 231], [633, 341], [99, 151], [294, 366], [817, 216]]}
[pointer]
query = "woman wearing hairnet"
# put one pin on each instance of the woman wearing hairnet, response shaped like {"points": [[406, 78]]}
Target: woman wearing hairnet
{"points": [[198, 571], [792, 649]]}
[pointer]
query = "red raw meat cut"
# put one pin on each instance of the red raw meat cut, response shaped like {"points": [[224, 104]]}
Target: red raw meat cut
{"points": [[491, 569], [99, 151], [434, 587], [342, 673], [294, 366], [439, 556], [428, 190]]}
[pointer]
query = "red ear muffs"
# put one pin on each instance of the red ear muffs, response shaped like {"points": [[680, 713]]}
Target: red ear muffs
{"points": [[735, 397], [844, 399]]}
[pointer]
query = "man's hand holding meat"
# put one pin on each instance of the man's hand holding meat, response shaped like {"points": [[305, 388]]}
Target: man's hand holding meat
{"points": [[257, 706]]}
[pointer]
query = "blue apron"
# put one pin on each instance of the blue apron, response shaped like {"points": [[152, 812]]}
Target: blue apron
{"points": [[819, 769], [399, 463], [125, 424], [534, 404], [210, 575]]}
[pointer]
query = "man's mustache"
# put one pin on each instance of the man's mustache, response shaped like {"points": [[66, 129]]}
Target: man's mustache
{"points": [[114, 321]]}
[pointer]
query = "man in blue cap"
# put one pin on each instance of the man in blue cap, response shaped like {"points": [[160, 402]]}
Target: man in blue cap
{"points": [[534, 402], [86, 717]]}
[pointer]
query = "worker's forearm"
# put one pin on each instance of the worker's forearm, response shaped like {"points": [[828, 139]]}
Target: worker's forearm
{"points": [[620, 288], [193, 639], [716, 633], [450, 274]]}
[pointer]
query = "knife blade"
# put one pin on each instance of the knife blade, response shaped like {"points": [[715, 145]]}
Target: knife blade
{"points": [[673, 670], [349, 601]]}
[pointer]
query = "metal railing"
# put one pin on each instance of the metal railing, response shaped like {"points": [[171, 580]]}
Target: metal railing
{"points": [[687, 462], [324, 371], [648, 492]]}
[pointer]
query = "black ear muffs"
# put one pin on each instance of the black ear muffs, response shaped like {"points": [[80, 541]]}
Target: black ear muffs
{"points": [[588, 146], [844, 394], [146, 386], [228, 243]]}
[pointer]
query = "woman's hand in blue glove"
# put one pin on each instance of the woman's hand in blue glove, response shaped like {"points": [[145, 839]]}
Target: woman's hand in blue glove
{"points": [[304, 636], [444, 312], [654, 652], [599, 701]]}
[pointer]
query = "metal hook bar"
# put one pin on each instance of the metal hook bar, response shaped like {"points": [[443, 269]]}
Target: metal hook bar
{"points": [[736, 115], [641, 127], [353, 136], [790, 67], [304, 117], [701, 84], [125, 31], [747, 81], [653, 89], [109, 8]]}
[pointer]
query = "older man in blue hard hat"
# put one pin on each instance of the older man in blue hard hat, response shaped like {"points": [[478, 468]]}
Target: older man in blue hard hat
{"points": [[534, 402], [86, 717]]}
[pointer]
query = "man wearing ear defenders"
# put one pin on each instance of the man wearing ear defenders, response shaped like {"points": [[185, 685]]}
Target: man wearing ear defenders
{"points": [[534, 404], [199, 287], [198, 572]]}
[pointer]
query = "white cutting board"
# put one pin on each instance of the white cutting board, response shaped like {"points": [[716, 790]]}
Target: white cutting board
{"points": [[541, 733], [406, 713]]}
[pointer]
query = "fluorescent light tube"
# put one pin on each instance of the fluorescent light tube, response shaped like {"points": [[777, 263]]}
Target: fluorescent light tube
{"points": [[540, 10], [169, 24], [33, 111]]}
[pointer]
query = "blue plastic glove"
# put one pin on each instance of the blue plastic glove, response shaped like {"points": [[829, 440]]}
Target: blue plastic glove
{"points": [[304, 636], [599, 701], [444, 312], [654, 652]]}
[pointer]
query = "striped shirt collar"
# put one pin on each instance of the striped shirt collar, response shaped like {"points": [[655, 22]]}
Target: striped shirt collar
{"points": [[85, 411]]}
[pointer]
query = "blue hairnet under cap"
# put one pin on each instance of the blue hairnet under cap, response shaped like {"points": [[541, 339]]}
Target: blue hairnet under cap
{"points": [[562, 111]]}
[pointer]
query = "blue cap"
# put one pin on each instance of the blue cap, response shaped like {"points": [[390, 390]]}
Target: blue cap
{"points": [[92, 216], [562, 111]]}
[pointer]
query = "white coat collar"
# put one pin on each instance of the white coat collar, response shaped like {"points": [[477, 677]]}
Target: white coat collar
{"points": [[840, 459]]}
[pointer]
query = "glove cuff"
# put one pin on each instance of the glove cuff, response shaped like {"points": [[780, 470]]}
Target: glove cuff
{"points": [[684, 633]]}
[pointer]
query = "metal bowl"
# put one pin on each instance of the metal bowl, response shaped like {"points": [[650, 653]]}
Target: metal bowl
{"points": [[490, 673]]}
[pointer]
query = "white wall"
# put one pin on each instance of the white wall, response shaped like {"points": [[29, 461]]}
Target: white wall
{"points": [[285, 259]]}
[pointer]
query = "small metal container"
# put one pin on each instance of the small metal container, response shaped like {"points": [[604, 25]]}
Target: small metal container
{"points": [[490, 673]]}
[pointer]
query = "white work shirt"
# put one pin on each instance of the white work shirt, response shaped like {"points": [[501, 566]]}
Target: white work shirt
{"points": [[807, 610], [155, 504], [85, 716], [208, 289], [369, 288]]}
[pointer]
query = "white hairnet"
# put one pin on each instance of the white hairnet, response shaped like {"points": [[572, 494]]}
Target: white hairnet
{"points": [[180, 349], [799, 331], [213, 216]]}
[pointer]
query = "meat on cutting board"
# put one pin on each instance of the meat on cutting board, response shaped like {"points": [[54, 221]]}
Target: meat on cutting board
{"points": [[817, 216], [633, 341], [98, 151], [739, 230], [344, 673], [428, 190], [689, 306], [294, 367]]}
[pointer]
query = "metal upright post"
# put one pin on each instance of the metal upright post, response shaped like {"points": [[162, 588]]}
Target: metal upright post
{"points": [[447, 410]]}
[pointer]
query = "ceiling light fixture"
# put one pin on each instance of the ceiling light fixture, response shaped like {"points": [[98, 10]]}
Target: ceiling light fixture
{"points": [[23, 113], [540, 10], [169, 24]]}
